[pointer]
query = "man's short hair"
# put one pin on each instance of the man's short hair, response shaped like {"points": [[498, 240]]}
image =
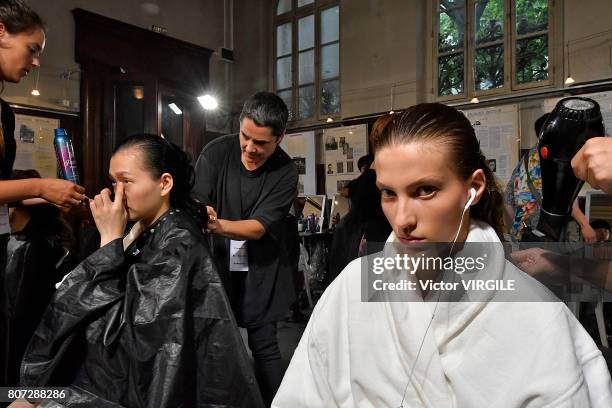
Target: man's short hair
{"points": [[266, 109], [365, 161], [596, 224]]}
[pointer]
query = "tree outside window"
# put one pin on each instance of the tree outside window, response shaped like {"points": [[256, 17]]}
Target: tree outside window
{"points": [[507, 45]]}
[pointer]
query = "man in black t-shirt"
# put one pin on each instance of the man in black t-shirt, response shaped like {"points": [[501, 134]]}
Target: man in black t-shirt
{"points": [[249, 183]]}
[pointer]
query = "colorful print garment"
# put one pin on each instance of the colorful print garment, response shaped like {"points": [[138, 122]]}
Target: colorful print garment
{"points": [[519, 196]]}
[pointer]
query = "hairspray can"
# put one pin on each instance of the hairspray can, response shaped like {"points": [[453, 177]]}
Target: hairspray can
{"points": [[65, 156]]}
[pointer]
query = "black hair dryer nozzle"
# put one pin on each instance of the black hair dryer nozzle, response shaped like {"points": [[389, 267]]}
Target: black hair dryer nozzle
{"points": [[573, 121]]}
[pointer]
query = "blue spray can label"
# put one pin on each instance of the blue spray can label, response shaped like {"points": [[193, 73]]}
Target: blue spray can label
{"points": [[66, 160]]}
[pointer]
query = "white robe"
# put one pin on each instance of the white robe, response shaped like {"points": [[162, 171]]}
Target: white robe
{"points": [[476, 354]]}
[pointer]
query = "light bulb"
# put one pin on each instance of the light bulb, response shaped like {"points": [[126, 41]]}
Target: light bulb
{"points": [[208, 102]]}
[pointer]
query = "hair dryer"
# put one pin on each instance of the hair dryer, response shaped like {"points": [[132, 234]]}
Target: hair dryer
{"points": [[573, 121]]}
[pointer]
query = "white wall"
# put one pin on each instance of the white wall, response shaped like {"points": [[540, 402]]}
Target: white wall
{"points": [[253, 40], [382, 46], [588, 29]]}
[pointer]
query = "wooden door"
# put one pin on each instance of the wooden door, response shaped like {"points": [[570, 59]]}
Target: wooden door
{"points": [[119, 61], [129, 109]]}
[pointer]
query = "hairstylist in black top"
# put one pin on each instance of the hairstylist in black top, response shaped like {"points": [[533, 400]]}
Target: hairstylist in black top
{"points": [[22, 39]]}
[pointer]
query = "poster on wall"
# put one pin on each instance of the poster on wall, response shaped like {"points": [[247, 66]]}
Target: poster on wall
{"points": [[301, 147], [34, 137], [343, 147], [497, 129]]}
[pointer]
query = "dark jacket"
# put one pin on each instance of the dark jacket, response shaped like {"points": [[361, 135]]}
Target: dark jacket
{"points": [[6, 166], [8, 129], [365, 219], [146, 327], [31, 273], [266, 292]]}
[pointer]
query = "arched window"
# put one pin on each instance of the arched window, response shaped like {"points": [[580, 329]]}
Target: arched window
{"points": [[307, 57]]}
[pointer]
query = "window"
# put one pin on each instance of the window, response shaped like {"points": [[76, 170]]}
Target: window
{"points": [[532, 39], [488, 44], [451, 48], [307, 62], [506, 46]]}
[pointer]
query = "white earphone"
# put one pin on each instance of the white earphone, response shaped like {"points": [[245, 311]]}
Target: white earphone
{"points": [[472, 197], [467, 206]]}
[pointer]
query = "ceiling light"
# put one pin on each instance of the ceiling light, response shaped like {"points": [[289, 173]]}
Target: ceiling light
{"points": [[569, 80], [175, 108], [35, 91], [208, 102], [138, 92]]}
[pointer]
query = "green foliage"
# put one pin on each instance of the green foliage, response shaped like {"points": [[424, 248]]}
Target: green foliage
{"points": [[451, 33], [531, 16], [532, 59], [489, 21], [489, 68], [489, 17], [450, 75]]}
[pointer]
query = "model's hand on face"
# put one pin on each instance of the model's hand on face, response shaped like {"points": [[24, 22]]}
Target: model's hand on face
{"points": [[110, 216]]}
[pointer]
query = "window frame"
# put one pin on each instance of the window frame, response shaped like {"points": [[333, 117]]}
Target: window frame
{"points": [[297, 86], [293, 16], [509, 42], [319, 46], [436, 56], [551, 48], [472, 52], [276, 58]]}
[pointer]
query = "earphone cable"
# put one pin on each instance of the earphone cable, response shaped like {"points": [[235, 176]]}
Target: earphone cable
{"points": [[433, 315]]}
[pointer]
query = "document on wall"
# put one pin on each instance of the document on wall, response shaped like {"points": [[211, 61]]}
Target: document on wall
{"points": [[497, 130], [239, 257], [343, 148], [34, 138], [301, 147]]}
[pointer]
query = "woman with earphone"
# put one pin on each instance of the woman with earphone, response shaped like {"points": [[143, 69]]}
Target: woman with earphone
{"points": [[478, 346]]}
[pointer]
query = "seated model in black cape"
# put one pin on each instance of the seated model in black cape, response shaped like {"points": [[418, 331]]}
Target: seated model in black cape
{"points": [[144, 321]]}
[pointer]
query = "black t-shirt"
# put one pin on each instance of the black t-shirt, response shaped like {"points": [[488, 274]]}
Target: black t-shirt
{"points": [[8, 127], [6, 167], [219, 166], [263, 294], [251, 183]]}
